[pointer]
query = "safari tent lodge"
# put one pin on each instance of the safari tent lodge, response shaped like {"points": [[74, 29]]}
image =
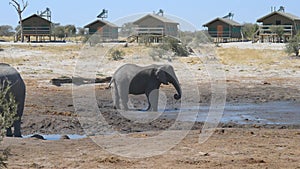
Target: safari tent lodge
{"points": [[277, 26], [152, 28], [37, 26], [107, 31], [224, 29]]}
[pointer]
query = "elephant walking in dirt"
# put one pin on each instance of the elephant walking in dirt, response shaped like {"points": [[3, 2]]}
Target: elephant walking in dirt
{"points": [[134, 79], [17, 88]]}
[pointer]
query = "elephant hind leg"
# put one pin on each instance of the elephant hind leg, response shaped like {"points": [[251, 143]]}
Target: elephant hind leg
{"points": [[9, 132], [17, 128], [117, 98], [152, 98]]}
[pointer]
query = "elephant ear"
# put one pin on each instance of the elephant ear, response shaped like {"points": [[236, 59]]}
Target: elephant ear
{"points": [[161, 76]]}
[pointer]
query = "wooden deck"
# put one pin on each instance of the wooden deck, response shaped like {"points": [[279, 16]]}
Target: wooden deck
{"points": [[36, 31], [267, 33], [149, 31]]}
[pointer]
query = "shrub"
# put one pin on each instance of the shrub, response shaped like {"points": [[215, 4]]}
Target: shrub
{"points": [[8, 112], [175, 46], [293, 45], [249, 30], [116, 54], [157, 53], [93, 40], [279, 31]]}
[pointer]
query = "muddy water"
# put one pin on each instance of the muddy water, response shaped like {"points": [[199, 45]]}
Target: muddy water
{"points": [[57, 136], [248, 113]]}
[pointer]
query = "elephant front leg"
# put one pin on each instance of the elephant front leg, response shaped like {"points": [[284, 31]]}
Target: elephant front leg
{"points": [[153, 100]]}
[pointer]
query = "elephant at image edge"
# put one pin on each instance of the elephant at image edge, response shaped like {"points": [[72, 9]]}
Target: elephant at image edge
{"points": [[10, 74], [134, 79]]}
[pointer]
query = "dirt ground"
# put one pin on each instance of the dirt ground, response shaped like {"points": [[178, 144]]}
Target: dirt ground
{"points": [[50, 110]]}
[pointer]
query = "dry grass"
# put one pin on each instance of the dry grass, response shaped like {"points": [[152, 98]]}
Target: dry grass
{"points": [[7, 38], [51, 48], [12, 61], [257, 57], [263, 58], [229, 56], [135, 50]]}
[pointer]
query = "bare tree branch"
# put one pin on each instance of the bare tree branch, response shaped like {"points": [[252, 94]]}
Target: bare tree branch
{"points": [[24, 5], [13, 5], [17, 6]]}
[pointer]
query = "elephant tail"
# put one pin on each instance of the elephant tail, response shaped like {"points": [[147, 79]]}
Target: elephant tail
{"points": [[109, 85]]}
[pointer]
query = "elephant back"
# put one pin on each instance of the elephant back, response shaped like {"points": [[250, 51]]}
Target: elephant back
{"points": [[11, 75], [7, 71]]}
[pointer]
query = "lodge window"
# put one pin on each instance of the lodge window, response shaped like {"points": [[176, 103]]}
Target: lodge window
{"points": [[278, 22]]}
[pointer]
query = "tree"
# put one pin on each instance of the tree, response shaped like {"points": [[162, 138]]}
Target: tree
{"points": [[20, 10], [293, 45], [249, 30], [59, 31], [81, 31], [70, 30], [17, 28], [6, 30], [279, 31], [127, 29]]}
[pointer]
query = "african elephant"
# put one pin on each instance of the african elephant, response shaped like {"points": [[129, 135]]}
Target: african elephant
{"points": [[17, 88], [134, 79]]}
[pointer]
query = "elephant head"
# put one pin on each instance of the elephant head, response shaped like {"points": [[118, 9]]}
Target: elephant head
{"points": [[165, 74]]}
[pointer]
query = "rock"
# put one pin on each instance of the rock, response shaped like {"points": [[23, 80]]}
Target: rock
{"points": [[266, 83], [37, 136], [64, 137]]}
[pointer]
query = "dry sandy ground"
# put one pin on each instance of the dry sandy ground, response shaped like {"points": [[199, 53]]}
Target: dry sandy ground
{"points": [[227, 148], [254, 73]]}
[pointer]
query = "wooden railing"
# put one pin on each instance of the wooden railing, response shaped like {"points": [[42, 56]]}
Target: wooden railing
{"points": [[149, 30], [270, 29], [32, 30], [222, 34]]}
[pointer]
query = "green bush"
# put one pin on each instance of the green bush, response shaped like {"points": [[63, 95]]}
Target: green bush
{"points": [[157, 53], [116, 54], [8, 112], [249, 30], [279, 31], [293, 45], [93, 40], [175, 46]]}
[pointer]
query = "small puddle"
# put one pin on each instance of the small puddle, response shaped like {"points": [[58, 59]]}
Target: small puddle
{"points": [[58, 136], [247, 113]]}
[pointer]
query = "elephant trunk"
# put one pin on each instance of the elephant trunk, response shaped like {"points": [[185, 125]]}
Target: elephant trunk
{"points": [[176, 85]]}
